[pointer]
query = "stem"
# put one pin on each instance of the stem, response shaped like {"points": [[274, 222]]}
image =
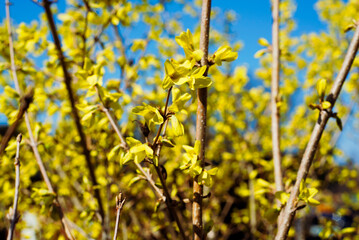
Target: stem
{"points": [[252, 204], [33, 143], [119, 204], [290, 209], [201, 123], [166, 197], [155, 144], [68, 80], [15, 216], [274, 98]]}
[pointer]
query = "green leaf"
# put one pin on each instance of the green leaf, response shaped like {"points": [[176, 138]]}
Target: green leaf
{"points": [[114, 151], [348, 230], [321, 87], [167, 143], [282, 196], [176, 126], [260, 53], [224, 54], [263, 42], [152, 115], [133, 180], [213, 171], [132, 142], [9, 91], [326, 105]]}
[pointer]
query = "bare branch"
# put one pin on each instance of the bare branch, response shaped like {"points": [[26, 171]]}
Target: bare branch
{"points": [[290, 209], [68, 80], [15, 217], [274, 97], [201, 123], [33, 143], [120, 201]]}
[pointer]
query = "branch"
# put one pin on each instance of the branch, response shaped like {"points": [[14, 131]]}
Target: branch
{"points": [[166, 197], [25, 102], [33, 143], [290, 209], [274, 98], [157, 150], [119, 204], [201, 123], [68, 80], [125, 146], [15, 217]]}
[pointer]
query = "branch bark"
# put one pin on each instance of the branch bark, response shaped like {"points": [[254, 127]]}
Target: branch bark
{"points": [[68, 80], [15, 217], [290, 209], [201, 123], [33, 143], [274, 97], [119, 204]]}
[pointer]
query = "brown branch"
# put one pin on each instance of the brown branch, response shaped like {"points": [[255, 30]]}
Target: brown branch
{"points": [[201, 123], [252, 203], [157, 150], [68, 80], [274, 98], [33, 143], [25, 102], [15, 217], [165, 196], [120, 201], [125, 146], [291, 207]]}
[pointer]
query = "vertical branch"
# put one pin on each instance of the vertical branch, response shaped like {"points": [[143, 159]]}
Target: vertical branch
{"points": [[201, 123], [252, 203], [33, 143], [15, 217], [119, 204], [291, 207], [274, 97], [68, 80]]}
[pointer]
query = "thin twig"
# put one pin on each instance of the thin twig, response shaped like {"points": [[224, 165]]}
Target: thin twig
{"points": [[290, 209], [252, 203], [201, 123], [120, 201], [33, 143], [25, 102], [156, 150], [165, 195], [125, 146], [274, 98], [15, 217], [71, 95]]}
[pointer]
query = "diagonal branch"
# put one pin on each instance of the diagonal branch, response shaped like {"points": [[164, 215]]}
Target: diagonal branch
{"points": [[15, 217], [165, 196], [33, 143], [201, 123], [68, 80], [290, 209]]}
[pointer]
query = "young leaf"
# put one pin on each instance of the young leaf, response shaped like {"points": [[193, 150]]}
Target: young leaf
{"points": [[321, 87], [263, 42], [326, 105]]}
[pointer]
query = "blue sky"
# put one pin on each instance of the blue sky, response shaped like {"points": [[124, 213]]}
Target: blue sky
{"points": [[254, 21]]}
